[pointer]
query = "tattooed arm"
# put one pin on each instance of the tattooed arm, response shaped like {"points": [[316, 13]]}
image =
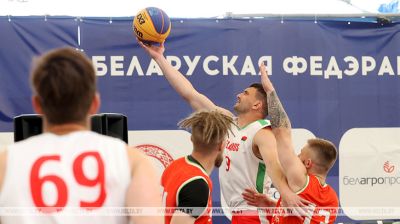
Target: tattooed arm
{"points": [[277, 113], [293, 168]]}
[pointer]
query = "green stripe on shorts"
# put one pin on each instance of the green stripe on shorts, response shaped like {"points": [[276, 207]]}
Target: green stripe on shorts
{"points": [[260, 177]]}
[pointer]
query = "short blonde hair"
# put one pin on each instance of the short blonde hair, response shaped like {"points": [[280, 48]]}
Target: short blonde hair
{"points": [[325, 151]]}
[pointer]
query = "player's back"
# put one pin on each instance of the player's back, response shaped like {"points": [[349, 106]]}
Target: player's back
{"points": [[72, 172], [324, 207], [176, 176]]}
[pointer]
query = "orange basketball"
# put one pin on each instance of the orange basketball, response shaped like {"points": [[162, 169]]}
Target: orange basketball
{"points": [[152, 25]]}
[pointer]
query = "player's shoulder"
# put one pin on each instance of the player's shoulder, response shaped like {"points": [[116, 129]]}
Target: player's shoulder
{"points": [[264, 122], [188, 166], [176, 166], [195, 185], [86, 135], [26, 144], [329, 193], [265, 132], [185, 170], [192, 187], [333, 195], [258, 124], [331, 198]]}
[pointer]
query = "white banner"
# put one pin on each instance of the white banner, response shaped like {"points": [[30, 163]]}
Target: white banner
{"points": [[369, 171]]}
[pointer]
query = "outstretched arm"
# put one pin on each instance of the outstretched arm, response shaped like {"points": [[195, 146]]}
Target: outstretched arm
{"points": [[179, 82], [265, 141], [293, 168]]}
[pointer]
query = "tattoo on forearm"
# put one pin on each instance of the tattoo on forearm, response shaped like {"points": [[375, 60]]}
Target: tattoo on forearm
{"points": [[277, 113]]}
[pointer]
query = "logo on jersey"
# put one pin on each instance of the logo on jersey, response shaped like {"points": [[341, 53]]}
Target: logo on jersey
{"points": [[387, 167], [232, 146], [244, 138]]}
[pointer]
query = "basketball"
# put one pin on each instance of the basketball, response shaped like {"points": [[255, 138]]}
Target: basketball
{"points": [[151, 25]]}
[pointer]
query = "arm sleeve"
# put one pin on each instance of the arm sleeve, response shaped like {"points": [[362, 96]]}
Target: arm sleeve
{"points": [[193, 197]]}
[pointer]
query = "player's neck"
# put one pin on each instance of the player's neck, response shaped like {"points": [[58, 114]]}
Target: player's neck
{"points": [[205, 162], [321, 178], [63, 129], [246, 118]]}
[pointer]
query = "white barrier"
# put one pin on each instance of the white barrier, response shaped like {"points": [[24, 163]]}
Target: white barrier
{"points": [[369, 170]]}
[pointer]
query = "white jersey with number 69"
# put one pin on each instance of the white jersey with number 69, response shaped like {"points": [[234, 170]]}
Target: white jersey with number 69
{"points": [[70, 178]]}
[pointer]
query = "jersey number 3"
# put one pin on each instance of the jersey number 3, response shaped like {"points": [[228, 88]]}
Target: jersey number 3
{"points": [[228, 163], [36, 181]]}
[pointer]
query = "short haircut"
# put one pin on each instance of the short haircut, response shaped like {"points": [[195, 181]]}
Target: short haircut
{"points": [[325, 151], [209, 128], [261, 95], [64, 81]]}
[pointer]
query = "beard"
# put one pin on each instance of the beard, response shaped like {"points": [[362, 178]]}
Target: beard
{"points": [[236, 108], [240, 108], [219, 160]]}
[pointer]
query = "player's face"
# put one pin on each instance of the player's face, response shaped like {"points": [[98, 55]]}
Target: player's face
{"points": [[300, 155], [305, 156], [245, 100]]}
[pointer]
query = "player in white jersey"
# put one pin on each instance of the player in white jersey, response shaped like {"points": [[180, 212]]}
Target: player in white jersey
{"points": [[242, 165], [253, 144], [69, 169]]}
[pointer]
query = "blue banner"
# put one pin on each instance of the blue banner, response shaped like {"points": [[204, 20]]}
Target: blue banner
{"points": [[23, 38], [332, 76]]}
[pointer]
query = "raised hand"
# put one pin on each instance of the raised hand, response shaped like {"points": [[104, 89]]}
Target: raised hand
{"points": [[266, 83], [154, 51]]}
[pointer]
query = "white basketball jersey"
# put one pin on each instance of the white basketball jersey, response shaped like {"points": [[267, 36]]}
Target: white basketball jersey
{"points": [[76, 171], [242, 168]]}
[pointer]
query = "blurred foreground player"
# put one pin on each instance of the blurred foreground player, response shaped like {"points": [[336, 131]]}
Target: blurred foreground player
{"points": [[69, 166]]}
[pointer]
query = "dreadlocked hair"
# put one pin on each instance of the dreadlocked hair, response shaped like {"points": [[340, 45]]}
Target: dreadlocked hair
{"points": [[209, 128]]}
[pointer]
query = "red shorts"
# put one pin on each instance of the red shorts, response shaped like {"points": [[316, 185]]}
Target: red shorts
{"points": [[245, 217]]}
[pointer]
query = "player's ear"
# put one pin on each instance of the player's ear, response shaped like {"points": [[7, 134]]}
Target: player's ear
{"points": [[308, 163], [222, 146], [37, 106], [257, 105], [94, 107]]}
